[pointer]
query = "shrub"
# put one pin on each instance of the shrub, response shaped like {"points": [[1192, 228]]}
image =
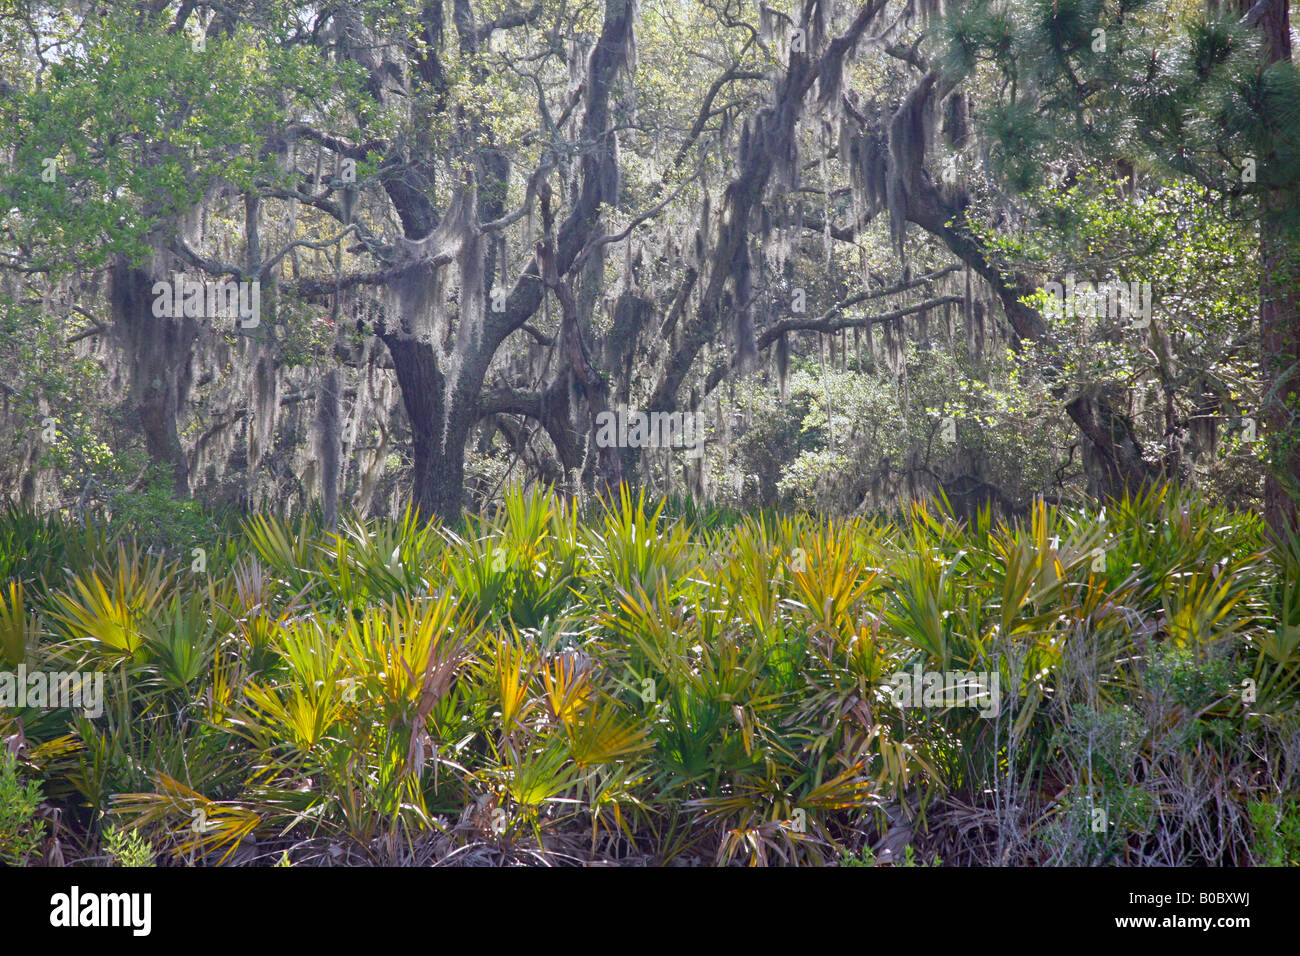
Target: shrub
{"points": [[1277, 831], [127, 848], [21, 832]]}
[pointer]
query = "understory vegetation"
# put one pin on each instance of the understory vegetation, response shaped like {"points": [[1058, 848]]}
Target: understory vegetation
{"points": [[657, 684]]}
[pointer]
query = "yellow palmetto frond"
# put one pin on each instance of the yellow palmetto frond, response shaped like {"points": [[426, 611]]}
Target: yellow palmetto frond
{"points": [[306, 712], [832, 582], [567, 681], [97, 617], [194, 821], [405, 655], [512, 666]]}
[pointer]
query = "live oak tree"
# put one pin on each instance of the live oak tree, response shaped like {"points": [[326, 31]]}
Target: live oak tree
{"points": [[417, 135]]}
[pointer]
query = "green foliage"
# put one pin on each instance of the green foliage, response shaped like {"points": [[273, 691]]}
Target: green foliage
{"points": [[835, 445], [721, 686], [1277, 831], [1191, 682], [155, 517], [21, 832], [127, 848], [867, 857], [1193, 361], [1178, 87]]}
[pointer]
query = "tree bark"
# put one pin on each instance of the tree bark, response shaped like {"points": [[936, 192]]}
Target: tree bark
{"points": [[158, 356], [589, 382], [1279, 304], [441, 391]]}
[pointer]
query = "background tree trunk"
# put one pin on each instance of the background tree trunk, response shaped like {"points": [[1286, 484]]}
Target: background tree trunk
{"points": [[1279, 307], [158, 356]]}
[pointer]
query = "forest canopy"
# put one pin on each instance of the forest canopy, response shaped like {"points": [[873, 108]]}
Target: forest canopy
{"points": [[349, 258]]}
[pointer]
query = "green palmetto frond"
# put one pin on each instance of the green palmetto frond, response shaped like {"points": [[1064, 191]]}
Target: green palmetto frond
{"points": [[528, 516], [401, 660], [653, 638], [630, 550], [604, 732], [1198, 608], [106, 609], [17, 627], [286, 550], [181, 640], [748, 565], [832, 584], [538, 773], [923, 596], [481, 569], [381, 559]]}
